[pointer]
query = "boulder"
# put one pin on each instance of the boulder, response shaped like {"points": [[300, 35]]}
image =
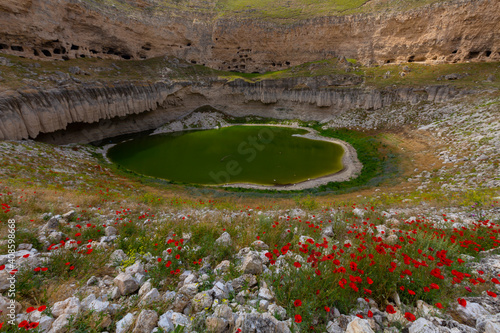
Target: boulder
{"points": [[118, 256], [422, 325], [171, 319], [359, 325], [151, 297], [469, 313], [224, 240], [125, 324], [126, 284], [252, 264], [202, 301], [488, 324], [146, 321], [60, 325], [137, 267], [70, 306]]}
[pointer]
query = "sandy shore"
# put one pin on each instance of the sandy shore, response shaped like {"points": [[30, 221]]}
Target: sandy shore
{"points": [[352, 166]]}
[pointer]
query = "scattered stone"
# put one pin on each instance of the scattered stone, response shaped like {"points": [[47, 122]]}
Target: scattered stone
{"points": [[126, 284], [93, 280], [266, 294], [223, 267], [151, 297], [252, 264], [469, 314], [422, 325], [125, 324], [70, 306], [260, 245], [224, 240], [60, 324], [118, 256], [146, 321], [202, 301], [111, 231], [359, 325], [145, 288]]}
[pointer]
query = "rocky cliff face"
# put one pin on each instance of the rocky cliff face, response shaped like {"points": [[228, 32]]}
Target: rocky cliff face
{"points": [[458, 30], [94, 112]]}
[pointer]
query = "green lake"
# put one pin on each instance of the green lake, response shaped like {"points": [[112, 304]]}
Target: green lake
{"points": [[262, 155]]}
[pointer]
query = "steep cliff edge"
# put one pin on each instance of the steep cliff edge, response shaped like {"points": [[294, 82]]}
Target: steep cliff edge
{"points": [[457, 30], [94, 112]]}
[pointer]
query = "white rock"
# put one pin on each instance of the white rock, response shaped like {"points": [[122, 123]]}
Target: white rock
{"points": [[60, 325], [223, 267], [260, 245], [146, 321], [151, 297], [224, 240], [252, 264], [470, 313], [359, 325], [126, 284], [70, 306], [145, 288], [137, 267], [124, 325], [99, 306], [422, 325], [266, 294]]}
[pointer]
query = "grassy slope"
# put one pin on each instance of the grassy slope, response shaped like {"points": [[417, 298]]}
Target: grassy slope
{"points": [[284, 11], [23, 70]]}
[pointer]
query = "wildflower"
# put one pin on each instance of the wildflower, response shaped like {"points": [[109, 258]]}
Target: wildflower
{"points": [[370, 314], [409, 316], [462, 302], [390, 309], [298, 318], [30, 309], [439, 305], [297, 302], [492, 294], [297, 264]]}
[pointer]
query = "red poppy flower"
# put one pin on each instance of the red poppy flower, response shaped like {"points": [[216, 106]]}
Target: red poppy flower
{"points": [[297, 264], [327, 309], [42, 308], [159, 259], [439, 305], [297, 302], [492, 294], [360, 316], [370, 281], [462, 302], [370, 314], [390, 309], [409, 316], [30, 309], [298, 318]]}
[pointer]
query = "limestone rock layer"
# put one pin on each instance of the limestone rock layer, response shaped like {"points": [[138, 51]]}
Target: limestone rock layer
{"points": [[92, 112], [450, 31]]}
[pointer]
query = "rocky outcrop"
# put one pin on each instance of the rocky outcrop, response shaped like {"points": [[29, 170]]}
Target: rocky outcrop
{"points": [[93, 112], [456, 30]]}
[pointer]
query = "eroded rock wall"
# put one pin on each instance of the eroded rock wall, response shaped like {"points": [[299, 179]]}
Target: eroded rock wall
{"points": [[93, 112], [457, 30]]}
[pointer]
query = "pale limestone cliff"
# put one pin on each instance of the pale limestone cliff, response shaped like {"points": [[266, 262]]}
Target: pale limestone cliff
{"points": [[93, 112], [456, 30]]}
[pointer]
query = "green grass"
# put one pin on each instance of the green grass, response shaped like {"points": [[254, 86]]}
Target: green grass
{"points": [[281, 11]]}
